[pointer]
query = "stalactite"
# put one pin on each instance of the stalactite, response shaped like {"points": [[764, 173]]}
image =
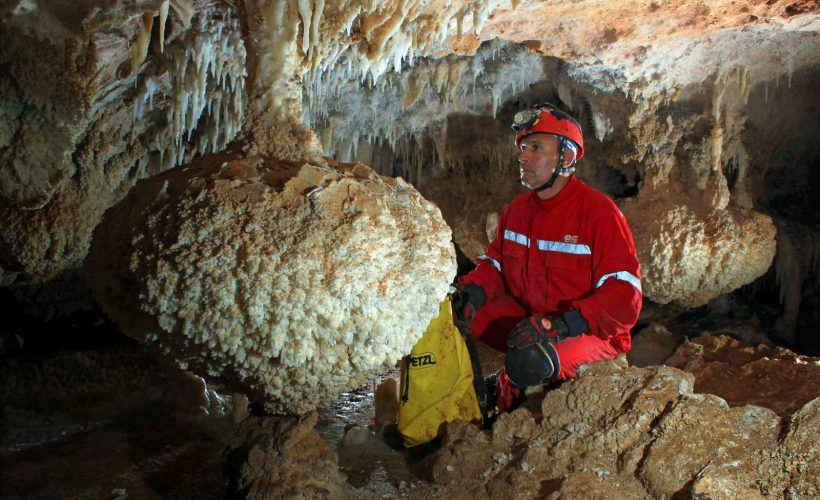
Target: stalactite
{"points": [[185, 10], [404, 104], [205, 100], [139, 49]]}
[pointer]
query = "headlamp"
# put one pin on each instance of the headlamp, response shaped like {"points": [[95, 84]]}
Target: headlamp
{"points": [[525, 119]]}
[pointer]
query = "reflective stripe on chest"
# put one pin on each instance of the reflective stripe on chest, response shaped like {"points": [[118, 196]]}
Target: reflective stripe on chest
{"points": [[547, 245]]}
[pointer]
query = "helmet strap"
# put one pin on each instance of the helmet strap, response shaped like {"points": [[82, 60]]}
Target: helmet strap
{"points": [[559, 169]]}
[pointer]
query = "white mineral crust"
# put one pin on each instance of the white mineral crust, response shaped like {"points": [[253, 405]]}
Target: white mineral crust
{"points": [[291, 283]]}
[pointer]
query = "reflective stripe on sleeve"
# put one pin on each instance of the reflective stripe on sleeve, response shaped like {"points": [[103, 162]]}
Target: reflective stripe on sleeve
{"points": [[517, 237], [560, 246], [623, 276], [494, 262]]}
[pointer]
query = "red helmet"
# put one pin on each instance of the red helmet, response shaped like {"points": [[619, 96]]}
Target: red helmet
{"points": [[547, 119]]}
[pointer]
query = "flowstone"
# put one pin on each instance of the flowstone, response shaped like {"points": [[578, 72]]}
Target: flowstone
{"points": [[288, 282]]}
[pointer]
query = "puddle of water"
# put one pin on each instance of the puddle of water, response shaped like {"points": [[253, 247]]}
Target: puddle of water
{"points": [[373, 467], [350, 408]]}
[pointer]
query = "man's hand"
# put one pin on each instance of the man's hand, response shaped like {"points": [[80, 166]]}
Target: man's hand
{"points": [[535, 329], [466, 301]]}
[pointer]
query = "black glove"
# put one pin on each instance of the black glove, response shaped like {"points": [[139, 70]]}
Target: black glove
{"points": [[466, 301], [535, 329]]}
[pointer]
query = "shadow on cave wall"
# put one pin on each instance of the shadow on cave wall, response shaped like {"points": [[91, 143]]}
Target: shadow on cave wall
{"points": [[781, 138]]}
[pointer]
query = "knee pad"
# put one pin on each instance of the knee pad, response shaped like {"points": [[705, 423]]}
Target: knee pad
{"points": [[537, 364]]}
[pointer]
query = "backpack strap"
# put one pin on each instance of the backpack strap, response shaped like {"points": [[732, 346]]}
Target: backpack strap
{"points": [[405, 382], [486, 401]]}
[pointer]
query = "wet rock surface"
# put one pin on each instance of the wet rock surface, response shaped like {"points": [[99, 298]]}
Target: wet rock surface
{"points": [[701, 119], [109, 420]]}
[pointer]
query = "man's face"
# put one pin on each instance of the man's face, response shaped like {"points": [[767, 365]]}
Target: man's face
{"points": [[537, 159]]}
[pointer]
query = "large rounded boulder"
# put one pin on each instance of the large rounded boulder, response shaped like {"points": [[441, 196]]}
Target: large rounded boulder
{"points": [[289, 282]]}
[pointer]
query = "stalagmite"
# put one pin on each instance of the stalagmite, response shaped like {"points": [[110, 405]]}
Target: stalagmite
{"points": [[272, 270]]}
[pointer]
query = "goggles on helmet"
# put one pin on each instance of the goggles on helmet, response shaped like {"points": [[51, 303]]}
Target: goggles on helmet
{"points": [[548, 119]]}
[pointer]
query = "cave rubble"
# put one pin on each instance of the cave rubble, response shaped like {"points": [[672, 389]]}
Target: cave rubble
{"points": [[743, 374], [634, 433], [616, 430], [283, 457]]}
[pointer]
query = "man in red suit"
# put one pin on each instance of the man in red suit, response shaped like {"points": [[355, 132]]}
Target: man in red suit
{"points": [[560, 284]]}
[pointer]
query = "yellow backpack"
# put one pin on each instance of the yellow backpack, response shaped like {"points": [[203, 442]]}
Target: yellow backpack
{"points": [[437, 381]]}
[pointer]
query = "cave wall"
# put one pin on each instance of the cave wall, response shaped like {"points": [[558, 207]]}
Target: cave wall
{"points": [[674, 99], [89, 111], [672, 150]]}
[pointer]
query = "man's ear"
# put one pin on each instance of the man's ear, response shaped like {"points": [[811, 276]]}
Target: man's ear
{"points": [[569, 157]]}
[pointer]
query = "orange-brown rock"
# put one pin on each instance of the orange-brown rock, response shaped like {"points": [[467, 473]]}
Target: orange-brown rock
{"points": [[283, 458], [633, 433], [742, 374], [652, 346]]}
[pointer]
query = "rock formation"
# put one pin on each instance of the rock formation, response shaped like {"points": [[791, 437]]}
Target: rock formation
{"points": [[283, 457], [652, 346], [693, 260], [242, 243], [742, 374], [632, 433], [88, 110], [289, 282], [673, 99], [671, 137]]}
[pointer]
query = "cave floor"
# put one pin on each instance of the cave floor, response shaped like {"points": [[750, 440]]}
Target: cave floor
{"points": [[142, 455], [108, 420], [104, 422], [111, 421]]}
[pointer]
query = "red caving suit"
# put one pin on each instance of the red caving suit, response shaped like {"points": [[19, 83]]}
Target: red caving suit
{"points": [[572, 251]]}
